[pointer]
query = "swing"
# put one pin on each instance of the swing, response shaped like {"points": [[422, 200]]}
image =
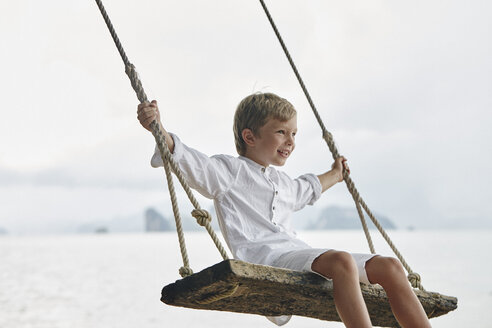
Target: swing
{"points": [[237, 286]]}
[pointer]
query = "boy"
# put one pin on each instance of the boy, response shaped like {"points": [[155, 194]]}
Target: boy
{"points": [[254, 201]]}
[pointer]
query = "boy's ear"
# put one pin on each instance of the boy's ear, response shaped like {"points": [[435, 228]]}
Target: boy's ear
{"points": [[248, 137]]}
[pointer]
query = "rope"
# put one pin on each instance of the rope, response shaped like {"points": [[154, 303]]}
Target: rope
{"points": [[113, 32], [216, 297], [414, 278], [203, 217]]}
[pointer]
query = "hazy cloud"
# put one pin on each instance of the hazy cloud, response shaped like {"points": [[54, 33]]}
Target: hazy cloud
{"points": [[405, 88]]}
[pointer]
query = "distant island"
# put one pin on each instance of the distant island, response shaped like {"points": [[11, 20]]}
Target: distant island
{"points": [[101, 230], [155, 221], [335, 217], [332, 217], [151, 220]]}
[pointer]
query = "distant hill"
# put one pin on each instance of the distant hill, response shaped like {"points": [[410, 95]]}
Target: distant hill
{"points": [[189, 223], [150, 220], [124, 224], [310, 218], [154, 221], [335, 217], [332, 217]]}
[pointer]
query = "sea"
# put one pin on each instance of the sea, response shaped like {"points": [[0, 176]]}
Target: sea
{"points": [[115, 280]]}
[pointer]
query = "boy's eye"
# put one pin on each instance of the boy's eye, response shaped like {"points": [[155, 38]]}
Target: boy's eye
{"points": [[281, 131]]}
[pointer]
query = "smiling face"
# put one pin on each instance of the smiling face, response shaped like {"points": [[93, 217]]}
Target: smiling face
{"points": [[273, 143]]}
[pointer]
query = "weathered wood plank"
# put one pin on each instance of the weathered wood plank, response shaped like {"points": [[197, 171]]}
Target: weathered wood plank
{"points": [[272, 291]]}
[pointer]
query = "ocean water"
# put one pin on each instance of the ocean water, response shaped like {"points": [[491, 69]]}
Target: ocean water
{"points": [[115, 280]]}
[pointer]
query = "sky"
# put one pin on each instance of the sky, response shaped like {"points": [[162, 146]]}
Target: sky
{"points": [[404, 87]]}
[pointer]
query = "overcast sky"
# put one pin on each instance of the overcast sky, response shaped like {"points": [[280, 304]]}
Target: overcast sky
{"points": [[405, 88]]}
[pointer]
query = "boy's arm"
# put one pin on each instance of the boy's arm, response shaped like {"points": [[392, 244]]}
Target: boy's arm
{"points": [[335, 175], [147, 113], [210, 176]]}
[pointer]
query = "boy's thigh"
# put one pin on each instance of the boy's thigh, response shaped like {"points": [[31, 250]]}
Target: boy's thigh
{"points": [[299, 259], [331, 262]]}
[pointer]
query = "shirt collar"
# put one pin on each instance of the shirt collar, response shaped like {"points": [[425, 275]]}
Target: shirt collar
{"points": [[255, 165]]}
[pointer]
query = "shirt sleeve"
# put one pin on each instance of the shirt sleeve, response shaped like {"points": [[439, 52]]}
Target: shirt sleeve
{"points": [[308, 190], [210, 176]]}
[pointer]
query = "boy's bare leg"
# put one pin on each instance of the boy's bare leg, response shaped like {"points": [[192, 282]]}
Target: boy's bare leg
{"points": [[341, 268], [389, 273]]}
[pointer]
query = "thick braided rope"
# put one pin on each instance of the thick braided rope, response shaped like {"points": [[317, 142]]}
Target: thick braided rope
{"points": [[216, 297], [328, 137], [185, 270], [167, 158], [413, 277], [113, 32], [169, 163]]}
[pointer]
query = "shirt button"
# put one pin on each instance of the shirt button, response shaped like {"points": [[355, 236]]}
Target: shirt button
{"points": [[273, 208], [263, 169], [276, 192]]}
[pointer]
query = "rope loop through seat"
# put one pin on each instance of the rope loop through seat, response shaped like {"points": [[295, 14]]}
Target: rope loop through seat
{"points": [[185, 271], [414, 279]]}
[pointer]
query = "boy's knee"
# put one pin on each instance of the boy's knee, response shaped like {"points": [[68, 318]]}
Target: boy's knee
{"points": [[335, 263], [345, 262], [385, 270], [393, 267]]}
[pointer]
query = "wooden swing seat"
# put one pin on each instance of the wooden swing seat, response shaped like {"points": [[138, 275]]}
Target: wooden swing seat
{"points": [[237, 286]]}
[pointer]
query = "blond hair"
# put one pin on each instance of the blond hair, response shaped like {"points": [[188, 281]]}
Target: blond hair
{"points": [[254, 111]]}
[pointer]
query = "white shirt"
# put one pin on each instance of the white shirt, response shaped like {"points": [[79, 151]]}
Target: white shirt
{"points": [[253, 203]]}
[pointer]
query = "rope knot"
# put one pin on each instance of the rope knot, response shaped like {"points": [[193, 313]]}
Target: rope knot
{"points": [[185, 271], [201, 216], [328, 136], [414, 279], [132, 73]]}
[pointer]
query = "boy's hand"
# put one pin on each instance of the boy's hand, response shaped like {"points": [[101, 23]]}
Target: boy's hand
{"points": [[339, 166], [147, 113], [335, 175]]}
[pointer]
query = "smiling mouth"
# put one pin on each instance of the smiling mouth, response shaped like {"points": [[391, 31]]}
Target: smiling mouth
{"points": [[284, 153]]}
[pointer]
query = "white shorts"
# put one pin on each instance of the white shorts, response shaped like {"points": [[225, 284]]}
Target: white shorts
{"points": [[302, 259]]}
